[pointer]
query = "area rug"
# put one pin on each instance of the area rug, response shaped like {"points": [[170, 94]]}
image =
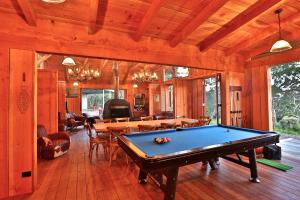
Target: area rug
{"points": [[274, 164]]}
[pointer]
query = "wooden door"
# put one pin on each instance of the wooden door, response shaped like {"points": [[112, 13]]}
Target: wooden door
{"points": [[22, 122]]}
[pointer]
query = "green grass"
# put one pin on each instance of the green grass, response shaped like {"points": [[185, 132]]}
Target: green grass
{"points": [[287, 131]]}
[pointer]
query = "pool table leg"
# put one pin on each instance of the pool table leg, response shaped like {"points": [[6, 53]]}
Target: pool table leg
{"points": [[142, 177], [170, 189], [253, 167]]}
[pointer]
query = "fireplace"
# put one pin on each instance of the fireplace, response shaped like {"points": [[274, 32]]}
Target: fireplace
{"points": [[116, 107]]}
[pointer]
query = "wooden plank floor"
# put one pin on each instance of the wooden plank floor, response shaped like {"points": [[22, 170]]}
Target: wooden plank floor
{"points": [[73, 176]]}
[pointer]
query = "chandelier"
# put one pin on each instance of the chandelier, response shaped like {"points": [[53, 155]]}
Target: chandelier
{"points": [[80, 72], [144, 76]]}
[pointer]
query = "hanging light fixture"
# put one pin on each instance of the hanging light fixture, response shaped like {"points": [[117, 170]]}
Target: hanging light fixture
{"points": [[75, 84], [80, 72], [68, 61], [144, 76], [280, 44]]}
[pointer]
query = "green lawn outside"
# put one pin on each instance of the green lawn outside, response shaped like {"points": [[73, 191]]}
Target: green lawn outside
{"points": [[287, 131]]}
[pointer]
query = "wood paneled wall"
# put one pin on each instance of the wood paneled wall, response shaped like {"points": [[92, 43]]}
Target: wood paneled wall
{"points": [[4, 106], [47, 109], [74, 104], [22, 121]]}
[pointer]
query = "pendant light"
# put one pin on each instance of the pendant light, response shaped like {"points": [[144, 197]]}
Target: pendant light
{"points": [[280, 44], [68, 61]]}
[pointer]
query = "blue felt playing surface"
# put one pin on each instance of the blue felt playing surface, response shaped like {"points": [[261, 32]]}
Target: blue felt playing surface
{"points": [[188, 139]]}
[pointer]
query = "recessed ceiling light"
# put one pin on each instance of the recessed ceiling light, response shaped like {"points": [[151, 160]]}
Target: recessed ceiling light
{"points": [[54, 1]]}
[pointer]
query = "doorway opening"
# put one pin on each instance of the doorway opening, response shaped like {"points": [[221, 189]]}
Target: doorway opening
{"points": [[285, 84]]}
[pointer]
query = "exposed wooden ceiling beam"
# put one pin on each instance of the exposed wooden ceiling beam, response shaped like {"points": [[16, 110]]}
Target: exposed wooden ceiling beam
{"points": [[258, 38], [131, 67], [27, 11], [208, 8], [93, 14], [155, 5], [243, 18], [244, 44]]}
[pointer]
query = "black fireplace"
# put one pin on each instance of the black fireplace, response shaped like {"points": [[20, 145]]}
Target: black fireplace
{"points": [[116, 108]]}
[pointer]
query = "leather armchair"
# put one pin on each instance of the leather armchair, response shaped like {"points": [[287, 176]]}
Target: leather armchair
{"points": [[51, 145], [73, 120]]}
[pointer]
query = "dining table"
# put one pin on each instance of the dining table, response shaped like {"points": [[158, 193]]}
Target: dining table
{"points": [[133, 125]]}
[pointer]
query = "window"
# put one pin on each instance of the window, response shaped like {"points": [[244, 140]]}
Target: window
{"points": [[168, 74], [181, 72], [93, 100]]}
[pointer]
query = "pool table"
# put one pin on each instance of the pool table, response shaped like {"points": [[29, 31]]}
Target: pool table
{"points": [[191, 145]]}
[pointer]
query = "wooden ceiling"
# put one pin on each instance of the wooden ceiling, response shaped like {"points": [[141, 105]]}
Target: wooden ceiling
{"points": [[245, 27]]}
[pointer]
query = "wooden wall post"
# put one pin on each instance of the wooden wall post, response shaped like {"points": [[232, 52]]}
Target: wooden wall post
{"points": [[22, 122], [258, 88], [4, 104]]}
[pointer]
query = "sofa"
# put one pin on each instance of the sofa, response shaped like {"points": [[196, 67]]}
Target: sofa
{"points": [[50, 146]]}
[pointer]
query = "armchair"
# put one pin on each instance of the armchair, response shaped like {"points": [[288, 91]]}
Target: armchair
{"points": [[73, 120], [51, 145]]}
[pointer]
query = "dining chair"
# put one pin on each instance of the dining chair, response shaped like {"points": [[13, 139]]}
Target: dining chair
{"points": [[204, 120], [99, 121], [188, 124], [121, 119], [113, 143], [165, 125], [95, 140], [146, 118], [146, 128]]}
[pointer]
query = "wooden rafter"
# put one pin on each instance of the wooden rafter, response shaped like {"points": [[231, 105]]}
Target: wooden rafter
{"points": [[42, 59], [251, 41], [263, 35], [208, 8], [27, 11], [243, 18], [93, 14], [130, 67], [155, 5]]}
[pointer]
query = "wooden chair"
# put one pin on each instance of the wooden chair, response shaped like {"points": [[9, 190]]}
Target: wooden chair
{"points": [[204, 120], [180, 116], [113, 144], [187, 124], [168, 125], [147, 118], [99, 121], [159, 117], [146, 128], [96, 140], [121, 119]]}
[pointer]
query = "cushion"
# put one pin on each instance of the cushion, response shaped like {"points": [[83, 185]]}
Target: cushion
{"points": [[47, 141]]}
